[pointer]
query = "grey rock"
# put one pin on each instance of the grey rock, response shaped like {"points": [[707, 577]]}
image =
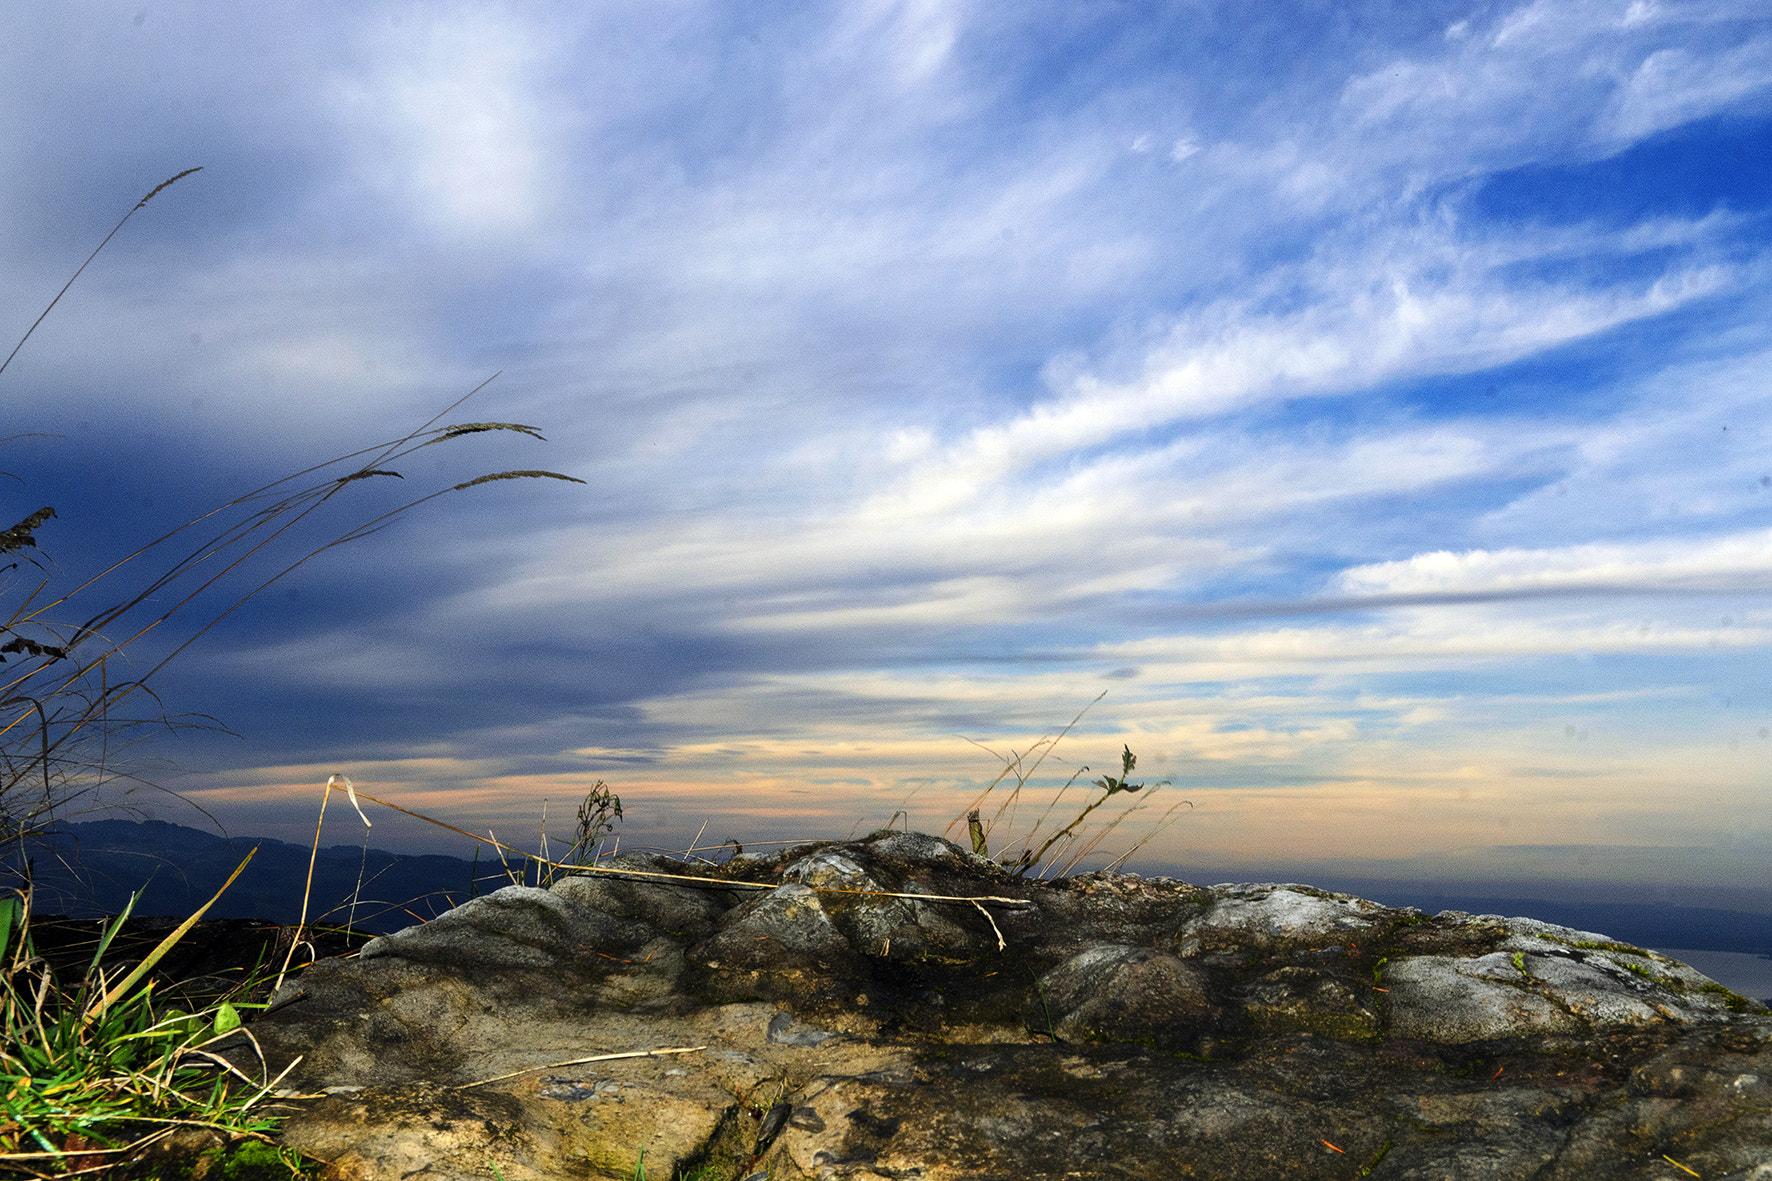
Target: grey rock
{"points": [[787, 931], [804, 1021], [916, 846], [516, 927], [1112, 992], [677, 910], [785, 1031], [1272, 918], [1440, 999]]}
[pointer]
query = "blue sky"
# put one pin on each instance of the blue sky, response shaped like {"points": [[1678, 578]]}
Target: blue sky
{"points": [[1371, 398]]}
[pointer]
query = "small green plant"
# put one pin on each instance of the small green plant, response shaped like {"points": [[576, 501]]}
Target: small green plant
{"points": [[1608, 945], [1735, 1002], [704, 1173], [94, 1070], [1110, 787], [1051, 1030], [1383, 1151]]}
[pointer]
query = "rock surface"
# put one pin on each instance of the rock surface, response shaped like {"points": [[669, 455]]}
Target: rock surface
{"points": [[845, 1011]]}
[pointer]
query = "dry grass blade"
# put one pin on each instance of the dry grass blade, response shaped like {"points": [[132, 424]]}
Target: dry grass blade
{"points": [[59, 668], [154, 192], [23, 534], [519, 475], [239, 532], [1001, 945], [1012, 764], [474, 428], [975, 899], [167, 944], [580, 1062], [1076, 840]]}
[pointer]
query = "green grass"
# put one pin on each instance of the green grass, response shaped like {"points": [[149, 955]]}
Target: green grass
{"points": [[705, 1173], [94, 1069]]}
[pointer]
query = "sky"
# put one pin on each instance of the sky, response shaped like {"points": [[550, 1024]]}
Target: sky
{"points": [[1371, 399]]}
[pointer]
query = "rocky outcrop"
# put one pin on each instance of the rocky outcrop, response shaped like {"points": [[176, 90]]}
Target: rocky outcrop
{"points": [[898, 1007]]}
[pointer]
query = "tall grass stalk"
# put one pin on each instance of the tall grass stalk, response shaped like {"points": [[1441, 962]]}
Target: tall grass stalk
{"points": [[94, 1070], [64, 705]]}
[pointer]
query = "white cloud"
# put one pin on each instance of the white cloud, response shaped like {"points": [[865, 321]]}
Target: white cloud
{"points": [[1588, 76], [449, 115], [910, 40], [1416, 304], [1675, 85], [1740, 561], [1413, 640], [784, 283]]}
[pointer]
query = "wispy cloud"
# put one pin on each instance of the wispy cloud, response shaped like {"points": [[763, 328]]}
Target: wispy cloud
{"points": [[1361, 397], [449, 120], [1742, 562]]}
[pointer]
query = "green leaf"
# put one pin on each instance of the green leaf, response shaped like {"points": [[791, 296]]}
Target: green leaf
{"points": [[110, 933], [10, 909], [227, 1019]]}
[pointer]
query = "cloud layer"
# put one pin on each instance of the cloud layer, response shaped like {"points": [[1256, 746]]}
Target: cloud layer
{"points": [[1371, 400]]}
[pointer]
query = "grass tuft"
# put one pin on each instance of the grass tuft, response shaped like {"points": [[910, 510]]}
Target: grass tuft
{"points": [[1066, 847], [94, 1072]]}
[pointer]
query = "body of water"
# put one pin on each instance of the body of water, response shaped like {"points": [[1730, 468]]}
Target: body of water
{"points": [[1750, 975]]}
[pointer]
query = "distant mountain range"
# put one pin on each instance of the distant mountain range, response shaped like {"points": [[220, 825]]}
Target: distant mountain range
{"points": [[90, 869]]}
